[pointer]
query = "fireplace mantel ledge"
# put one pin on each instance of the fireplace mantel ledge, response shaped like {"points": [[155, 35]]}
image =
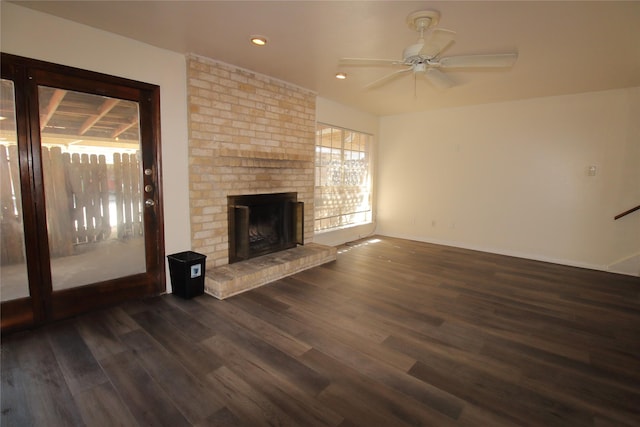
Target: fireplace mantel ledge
{"points": [[263, 155], [228, 280]]}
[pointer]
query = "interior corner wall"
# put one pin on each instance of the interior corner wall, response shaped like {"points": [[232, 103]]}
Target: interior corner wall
{"points": [[336, 114], [513, 178], [37, 35]]}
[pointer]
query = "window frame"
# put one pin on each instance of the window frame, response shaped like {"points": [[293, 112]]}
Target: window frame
{"points": [[343, 218]]}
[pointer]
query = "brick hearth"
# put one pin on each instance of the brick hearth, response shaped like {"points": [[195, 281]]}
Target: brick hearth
{"points": [[223, 282]]}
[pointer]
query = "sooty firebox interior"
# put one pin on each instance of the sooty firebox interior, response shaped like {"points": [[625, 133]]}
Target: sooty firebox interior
{"points": [[263, 223]]}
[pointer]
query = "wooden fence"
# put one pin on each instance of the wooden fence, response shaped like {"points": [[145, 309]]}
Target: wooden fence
{"points": [[81, 192], [12, 250]]}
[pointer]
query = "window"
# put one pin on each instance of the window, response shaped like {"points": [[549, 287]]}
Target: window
{"points": [[343, 178]]}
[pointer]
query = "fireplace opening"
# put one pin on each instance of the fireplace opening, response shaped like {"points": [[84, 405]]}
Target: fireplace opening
{"points": [[263, 223]]}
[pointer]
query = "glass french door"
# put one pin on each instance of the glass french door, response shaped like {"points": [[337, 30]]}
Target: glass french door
{"points": [[80, 191], [13, 264]]}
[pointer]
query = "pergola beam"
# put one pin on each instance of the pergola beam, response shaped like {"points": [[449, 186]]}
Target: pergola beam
{"points": [[122, 128], [54, 102], [106, 106]]}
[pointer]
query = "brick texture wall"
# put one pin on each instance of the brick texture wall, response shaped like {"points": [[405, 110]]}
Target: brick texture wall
{"points": [[248, 134]]}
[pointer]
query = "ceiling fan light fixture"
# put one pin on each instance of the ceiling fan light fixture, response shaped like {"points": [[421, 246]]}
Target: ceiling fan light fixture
{"points": [[259, 40], [341, 76], [420, 67]]}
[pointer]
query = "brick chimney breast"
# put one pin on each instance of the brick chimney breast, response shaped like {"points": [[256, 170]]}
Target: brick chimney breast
{"points": [[248, 134]]}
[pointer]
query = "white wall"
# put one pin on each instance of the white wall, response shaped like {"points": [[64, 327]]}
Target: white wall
{"points": [[40, 36], [512, 177], [333, 113]]}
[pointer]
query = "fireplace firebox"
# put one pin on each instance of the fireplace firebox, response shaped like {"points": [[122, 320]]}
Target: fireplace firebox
{"points": [[263, 223]]}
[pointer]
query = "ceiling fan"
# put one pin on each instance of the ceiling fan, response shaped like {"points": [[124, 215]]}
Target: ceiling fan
{"points": [[423, 56]]}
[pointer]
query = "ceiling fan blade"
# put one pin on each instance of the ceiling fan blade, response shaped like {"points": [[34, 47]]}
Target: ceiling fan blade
{"points": [[387, 78], [369, 62], [471, 61], [435, 41], [438, 78]]}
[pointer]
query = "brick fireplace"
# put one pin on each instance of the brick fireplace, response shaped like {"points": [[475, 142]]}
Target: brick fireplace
{"points": [[248, 134]]}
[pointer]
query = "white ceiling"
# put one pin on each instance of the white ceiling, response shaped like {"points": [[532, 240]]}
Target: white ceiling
{"points": [[564, 46]]}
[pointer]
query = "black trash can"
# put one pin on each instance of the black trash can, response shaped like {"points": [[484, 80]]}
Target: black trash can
{"points": [[187, 273]]}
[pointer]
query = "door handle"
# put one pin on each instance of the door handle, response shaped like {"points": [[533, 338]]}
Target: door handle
{"points": [[149, 203]]}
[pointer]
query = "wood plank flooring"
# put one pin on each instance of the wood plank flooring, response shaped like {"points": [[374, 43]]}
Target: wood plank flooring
{"points": [[394, 333]]}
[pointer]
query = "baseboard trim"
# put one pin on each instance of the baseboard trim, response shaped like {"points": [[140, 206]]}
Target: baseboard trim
{"points": [[534, 257], [629, 265]]}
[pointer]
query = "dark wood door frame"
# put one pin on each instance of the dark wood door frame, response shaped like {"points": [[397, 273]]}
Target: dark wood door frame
{"points": [[43, 305]]}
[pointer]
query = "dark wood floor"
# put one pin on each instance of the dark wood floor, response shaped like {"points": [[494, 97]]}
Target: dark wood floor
{"points": [[394, 333]]}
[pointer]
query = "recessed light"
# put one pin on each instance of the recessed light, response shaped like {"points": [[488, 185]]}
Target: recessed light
{"points": [[259, 40], [341, 76]]}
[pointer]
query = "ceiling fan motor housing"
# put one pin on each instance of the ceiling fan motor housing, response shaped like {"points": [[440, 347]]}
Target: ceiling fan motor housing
{"points": [[420, 67], [411, 53]]}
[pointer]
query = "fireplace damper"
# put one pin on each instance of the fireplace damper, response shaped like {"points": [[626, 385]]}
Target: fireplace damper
{"points": [[263, 223]]}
